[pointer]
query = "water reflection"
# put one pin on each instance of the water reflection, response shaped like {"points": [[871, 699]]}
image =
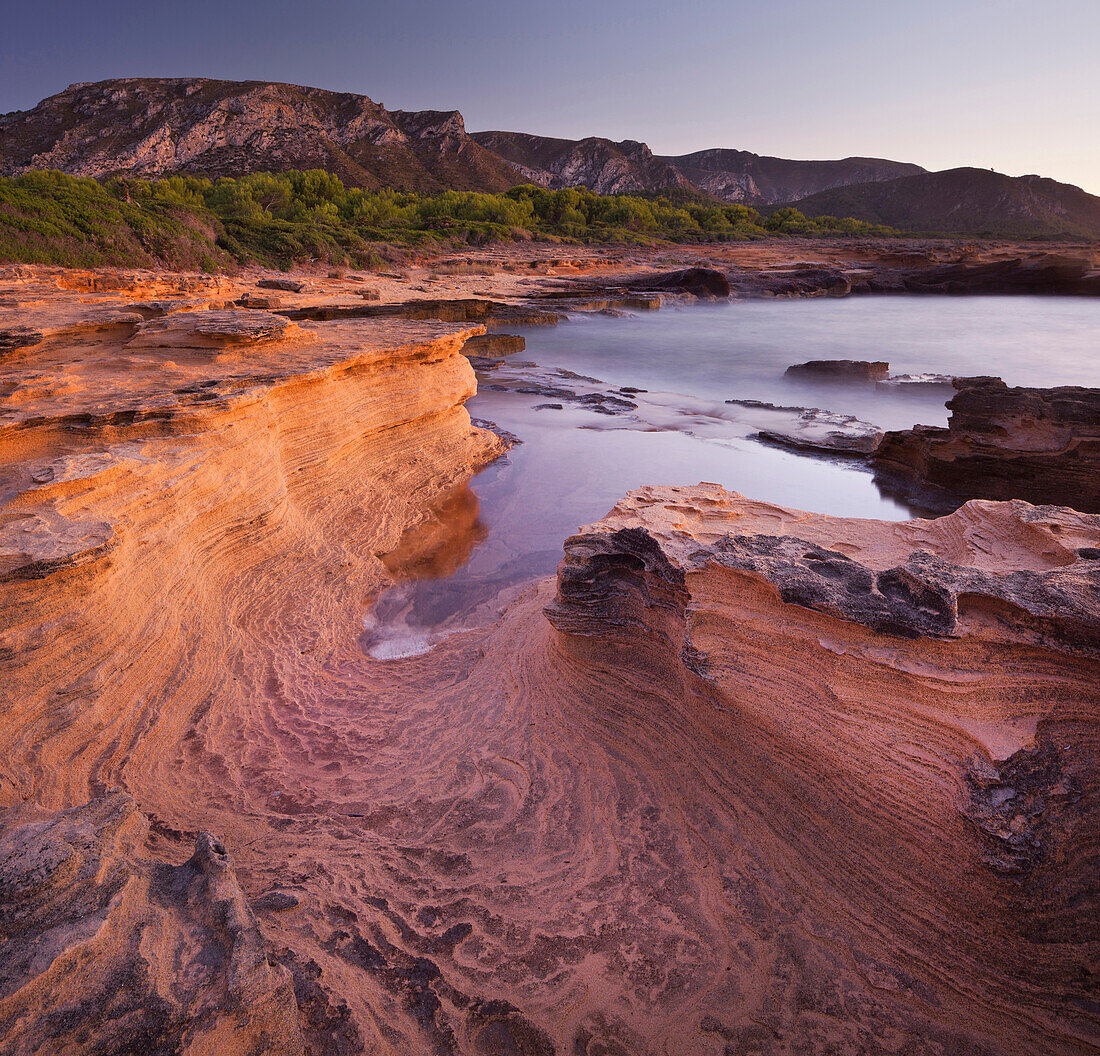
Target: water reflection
{"points": [[487, 541]]}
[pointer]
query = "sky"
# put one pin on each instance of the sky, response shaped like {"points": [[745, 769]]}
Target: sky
{"points": [[1007, 84]]}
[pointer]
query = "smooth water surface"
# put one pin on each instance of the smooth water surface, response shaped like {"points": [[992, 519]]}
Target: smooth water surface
{"points": [[491, 538]]}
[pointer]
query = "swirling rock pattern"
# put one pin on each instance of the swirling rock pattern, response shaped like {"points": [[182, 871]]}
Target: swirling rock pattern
{"points": [[765, 782]]}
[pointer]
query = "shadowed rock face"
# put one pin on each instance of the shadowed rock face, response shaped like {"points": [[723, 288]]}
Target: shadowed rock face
{"points": [[108, 951], [1001, 442]]}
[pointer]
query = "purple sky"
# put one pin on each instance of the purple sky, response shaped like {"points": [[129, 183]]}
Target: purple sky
{"points": [[1006, 84]]}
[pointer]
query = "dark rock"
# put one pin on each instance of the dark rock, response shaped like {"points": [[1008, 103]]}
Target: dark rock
{"points": [[704, 283], [1042, 445], [18, 337], [287, 285], [1041, 273], [841, 369], [811, 281], [277, 901]]}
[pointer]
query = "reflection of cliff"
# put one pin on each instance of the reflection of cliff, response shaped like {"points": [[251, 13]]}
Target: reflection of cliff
{"points": [[439, 544]]}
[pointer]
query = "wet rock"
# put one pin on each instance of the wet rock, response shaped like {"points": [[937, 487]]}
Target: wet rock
{"points": [[703, 283], [841, 370], [1000, 442], [827, 432], [915, 383]]}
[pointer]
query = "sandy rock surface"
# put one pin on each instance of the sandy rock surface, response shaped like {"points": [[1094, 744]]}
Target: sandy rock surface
{"points": [[739, 779]]}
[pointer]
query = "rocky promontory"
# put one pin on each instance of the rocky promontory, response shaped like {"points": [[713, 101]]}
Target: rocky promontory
{"points": [[739, 778], [1005, 442]]}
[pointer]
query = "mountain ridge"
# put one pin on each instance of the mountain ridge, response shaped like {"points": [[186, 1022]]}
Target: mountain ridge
{"points": [[154, 127]]}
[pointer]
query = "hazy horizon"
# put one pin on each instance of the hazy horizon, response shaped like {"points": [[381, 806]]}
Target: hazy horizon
{"points": [[1003, 86]]}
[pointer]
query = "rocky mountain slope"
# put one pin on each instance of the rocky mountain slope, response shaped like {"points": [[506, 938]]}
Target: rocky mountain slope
{"points": [[599, 164], [966, 201], [155, 127]]}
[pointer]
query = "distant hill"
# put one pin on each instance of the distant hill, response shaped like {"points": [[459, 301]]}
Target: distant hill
{"points": [[160, 126], [601, 165], [741, 176], [965, 201]]}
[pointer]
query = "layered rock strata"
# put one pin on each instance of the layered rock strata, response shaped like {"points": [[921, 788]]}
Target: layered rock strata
{"points": [[900, 724], [1002, 442]]}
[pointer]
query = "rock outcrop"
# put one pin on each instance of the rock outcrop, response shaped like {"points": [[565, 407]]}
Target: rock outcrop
{"points": [[841, 685], [107, 951], [1001, 442], [702, 283], [841, 370]]}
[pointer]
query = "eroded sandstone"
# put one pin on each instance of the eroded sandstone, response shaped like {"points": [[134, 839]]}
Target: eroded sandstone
{"points": [[1002, 442]]}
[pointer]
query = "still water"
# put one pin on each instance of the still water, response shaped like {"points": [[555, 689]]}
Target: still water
{"points": [[488, 540]]}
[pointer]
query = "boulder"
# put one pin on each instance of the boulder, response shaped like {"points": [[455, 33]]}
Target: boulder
{"points": [[286, 285], [841, 370], [703, 283]]}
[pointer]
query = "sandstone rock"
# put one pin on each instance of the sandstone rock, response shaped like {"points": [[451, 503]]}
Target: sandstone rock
{"points": [[266, 303], [213, 330], [1042, 445], [493, 346], [287, 285], [108, 951], [841, 370]]}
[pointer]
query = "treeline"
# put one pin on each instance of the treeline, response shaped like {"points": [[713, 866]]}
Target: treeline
{"points": [[279, 219]]}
